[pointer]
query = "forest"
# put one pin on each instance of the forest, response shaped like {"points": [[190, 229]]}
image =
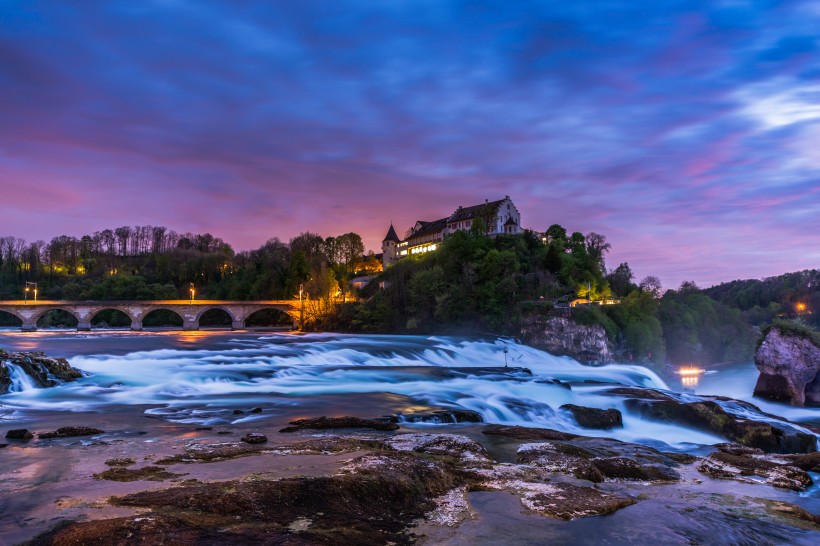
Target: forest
{"points": [[472, 285]]}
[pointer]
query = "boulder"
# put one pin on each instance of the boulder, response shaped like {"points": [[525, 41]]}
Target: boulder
{"points": [[594, 417], [324, 423], [559, 336], [254, 438], [19, 434], [740, 463], [789, 364], [43, 370], [709, 416], [442, 416], [69, 432]]}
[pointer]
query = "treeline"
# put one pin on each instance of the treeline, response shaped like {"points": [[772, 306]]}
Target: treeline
{"points": [[475, 284], [149, 262]]}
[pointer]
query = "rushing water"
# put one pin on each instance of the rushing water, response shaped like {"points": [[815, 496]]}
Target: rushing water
{"points": [[202, 377]]}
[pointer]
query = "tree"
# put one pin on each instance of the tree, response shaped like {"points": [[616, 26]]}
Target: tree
{"points": [[620, 280], [652, 285]]}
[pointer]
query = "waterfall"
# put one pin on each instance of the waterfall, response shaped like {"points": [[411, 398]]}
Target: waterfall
{"points": [[20, 380]]}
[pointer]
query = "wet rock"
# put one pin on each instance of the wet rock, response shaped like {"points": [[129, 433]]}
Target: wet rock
{"points": [[123, 461], [238, 412], [3, 445], [559, 336], [527, 433], [789, 365], [69, 432], [810, 462], [737, 464], [254, 438], [325, 423], [567, 501], [709, 416], [794, 511], [443, 416], [43, 370], [599, 459], [375, 501], [450, 445], [147, 473], [256, 410], [639, 393], [19, 434], [594, 417]]}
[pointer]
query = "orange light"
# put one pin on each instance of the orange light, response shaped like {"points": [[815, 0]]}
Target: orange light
{"points": [[801, 307], [690, 372]]}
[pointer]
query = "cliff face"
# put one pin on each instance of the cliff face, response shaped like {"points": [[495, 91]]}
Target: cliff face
{"points": [[34, 369], [559, 336], [789, 369]]}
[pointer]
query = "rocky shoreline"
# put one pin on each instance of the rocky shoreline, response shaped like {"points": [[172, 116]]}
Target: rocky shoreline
{"points": [[36, 367], [404, 486]]}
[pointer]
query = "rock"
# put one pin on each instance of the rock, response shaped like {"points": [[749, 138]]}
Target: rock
{"points": [[709, 416], [256, 410], [19, 434], [639, 393], [450, 445], [254, 438], [122, 474], [68, 432], [375, 500], [238, 412], [324, 423], [594, 417], [443, 416], [559, 336], [124, 461], [810, 462], [789, 364], [43, 370], [736, 464], [527, 433], [597, 459], [567, 501]]}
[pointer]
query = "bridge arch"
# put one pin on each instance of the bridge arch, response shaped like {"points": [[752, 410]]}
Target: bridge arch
{"points": [[117, 311], [8, 315], [217, 317], [272, 315], [154, 309], [224, 308], [40, 315]]}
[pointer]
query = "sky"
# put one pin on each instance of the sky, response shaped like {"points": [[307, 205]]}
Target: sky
{"points": [[688, 133]]}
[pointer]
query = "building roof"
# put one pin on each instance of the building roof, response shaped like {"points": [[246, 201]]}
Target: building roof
{"points": [[429, 228], [391, 235], [468, 213], [510, 222]]}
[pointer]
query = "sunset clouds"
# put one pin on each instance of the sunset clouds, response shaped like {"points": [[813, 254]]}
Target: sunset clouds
{"points": [[687, 132]]}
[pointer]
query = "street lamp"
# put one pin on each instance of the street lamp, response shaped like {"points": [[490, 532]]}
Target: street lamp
{"points": [[193, 292], [28, 287]]}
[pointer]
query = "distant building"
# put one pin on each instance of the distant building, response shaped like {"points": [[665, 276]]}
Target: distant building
{"points": [[500, 217]]}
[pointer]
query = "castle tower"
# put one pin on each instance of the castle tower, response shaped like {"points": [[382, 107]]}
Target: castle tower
{"points": [[389, 247]]}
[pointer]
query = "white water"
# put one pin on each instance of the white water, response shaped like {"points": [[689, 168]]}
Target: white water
{"points": [[20, 380], [283, 372]]}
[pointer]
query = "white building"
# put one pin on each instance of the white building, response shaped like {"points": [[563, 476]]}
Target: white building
{"points": [[499, 217]]}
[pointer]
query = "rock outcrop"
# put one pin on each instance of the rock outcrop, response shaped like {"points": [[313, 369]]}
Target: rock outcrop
{"points": [[559, 336], [38, 369], [789, 366]]}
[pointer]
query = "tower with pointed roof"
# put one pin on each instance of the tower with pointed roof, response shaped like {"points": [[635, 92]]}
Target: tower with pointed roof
{"points": [[389, 247]]}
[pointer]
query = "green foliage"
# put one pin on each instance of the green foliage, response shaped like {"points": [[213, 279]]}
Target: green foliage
{"points": [[794, 328]]}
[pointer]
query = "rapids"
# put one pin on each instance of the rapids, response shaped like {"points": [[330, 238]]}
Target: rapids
{"points": [[203, 377]]}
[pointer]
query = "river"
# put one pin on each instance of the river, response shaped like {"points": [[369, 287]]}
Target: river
{"points": [[218, 378]]}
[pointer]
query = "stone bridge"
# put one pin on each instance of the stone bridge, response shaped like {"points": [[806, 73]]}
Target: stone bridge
{"points": [[29, 312]]}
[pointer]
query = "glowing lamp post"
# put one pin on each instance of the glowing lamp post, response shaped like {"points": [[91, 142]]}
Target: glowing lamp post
{"points": [[28, 287], [801, 307], [193, 293]]}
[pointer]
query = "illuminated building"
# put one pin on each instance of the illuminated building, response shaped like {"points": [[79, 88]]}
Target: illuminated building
{"points": [[499, 217]]}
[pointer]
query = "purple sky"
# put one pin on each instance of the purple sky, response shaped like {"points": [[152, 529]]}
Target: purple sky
{"points": [[686, 132]]}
